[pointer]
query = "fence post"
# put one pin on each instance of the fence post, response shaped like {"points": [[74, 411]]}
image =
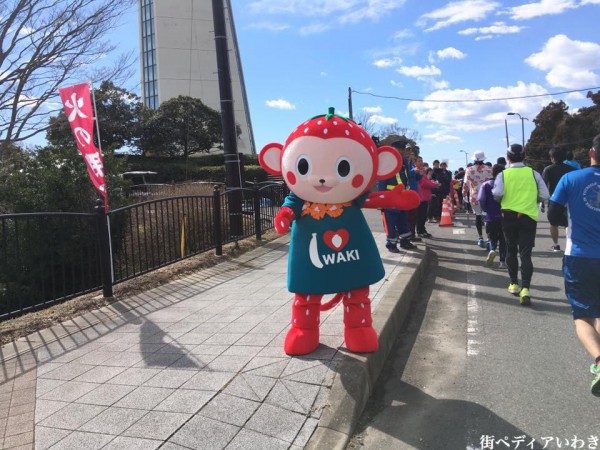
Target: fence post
{"points": [[105, 253], [257, 224], [217, 221]]}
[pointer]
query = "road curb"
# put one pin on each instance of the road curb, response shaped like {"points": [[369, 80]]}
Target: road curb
{"points": [[357, 374]]}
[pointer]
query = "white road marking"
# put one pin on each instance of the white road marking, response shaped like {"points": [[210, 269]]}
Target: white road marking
{"points": [[473, 310], [458, 231]]}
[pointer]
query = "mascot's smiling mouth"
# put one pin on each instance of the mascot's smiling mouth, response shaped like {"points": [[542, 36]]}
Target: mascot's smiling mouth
{"points": [[323, 188]]}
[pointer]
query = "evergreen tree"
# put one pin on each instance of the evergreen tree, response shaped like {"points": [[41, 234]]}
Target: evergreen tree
{"points": [[118, 117], [180, 127]]}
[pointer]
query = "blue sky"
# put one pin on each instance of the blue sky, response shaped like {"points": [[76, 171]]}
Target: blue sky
{"points": [[301, 56]]}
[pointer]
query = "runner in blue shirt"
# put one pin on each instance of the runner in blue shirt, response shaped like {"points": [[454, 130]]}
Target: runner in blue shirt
{"points": [[579, 192]]}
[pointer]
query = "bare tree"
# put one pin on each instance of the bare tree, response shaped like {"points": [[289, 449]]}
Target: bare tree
{"points": [[364, 120], [45, 44], [397, 130]]}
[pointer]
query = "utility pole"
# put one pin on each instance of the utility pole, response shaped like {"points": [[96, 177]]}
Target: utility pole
{"points": [[350, 103], [232, 161], [506, 129], [523, 119]]}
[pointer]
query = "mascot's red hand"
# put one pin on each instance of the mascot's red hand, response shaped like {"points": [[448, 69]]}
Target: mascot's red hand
{"points": [[397, 198], [283, 219]]}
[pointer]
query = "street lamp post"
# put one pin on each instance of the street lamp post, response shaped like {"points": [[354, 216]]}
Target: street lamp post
{"points": [[466, 161], [523, 119]]}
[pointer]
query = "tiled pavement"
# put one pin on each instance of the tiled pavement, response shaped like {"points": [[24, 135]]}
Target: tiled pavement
{"points": [[197, 363]]}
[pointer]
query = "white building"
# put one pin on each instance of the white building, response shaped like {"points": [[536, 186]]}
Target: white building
{"points": [[178, 57]]}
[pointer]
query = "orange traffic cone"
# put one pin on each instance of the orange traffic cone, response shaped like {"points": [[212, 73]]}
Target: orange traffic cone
{"points": [[456, 200], [446, 220], [450, 206]]}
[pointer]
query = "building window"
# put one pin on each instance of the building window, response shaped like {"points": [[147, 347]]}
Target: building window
{"points": [[149, 55]]}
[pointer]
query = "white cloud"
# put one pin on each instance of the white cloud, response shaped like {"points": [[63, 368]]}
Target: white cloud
{"points": [[443, 136], [270, 26], [457, 12], [418, 71], [53, 106], [575, 96], [382, 120], [451, 53], [27, 101], [25, 31], [541, 8], [406, 33], [324, 74], [314, 28], [280, 104], [372, 109], [388, 62], [590, 2], [300, 7], [424, 74], [484, 38], [372, 10], [570, 64], [396, 84], [479, 115], [343, 11], [435, 84], [496, 28]]}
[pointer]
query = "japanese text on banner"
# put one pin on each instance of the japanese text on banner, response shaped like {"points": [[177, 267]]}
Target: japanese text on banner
{"points": [[78, 108]]}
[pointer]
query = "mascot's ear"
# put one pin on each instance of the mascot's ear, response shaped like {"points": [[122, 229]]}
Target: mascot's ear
{"points": [[270, 158], [389, 161]]}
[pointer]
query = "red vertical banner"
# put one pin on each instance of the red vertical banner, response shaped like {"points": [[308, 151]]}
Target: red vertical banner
{"points": [[80, 113]]}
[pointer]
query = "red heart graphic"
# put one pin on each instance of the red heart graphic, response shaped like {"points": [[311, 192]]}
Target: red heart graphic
{"points": [[336, 240]]}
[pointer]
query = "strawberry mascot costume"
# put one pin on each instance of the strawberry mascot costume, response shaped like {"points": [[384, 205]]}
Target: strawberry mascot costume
{"points": [[329, 163]]}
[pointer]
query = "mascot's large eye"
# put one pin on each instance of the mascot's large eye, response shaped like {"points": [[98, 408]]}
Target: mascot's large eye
{"points": [[343, 167], [303, 165]]}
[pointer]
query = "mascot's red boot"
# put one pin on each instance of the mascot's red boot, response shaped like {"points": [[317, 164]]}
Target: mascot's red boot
{"points": [[329, 163]]}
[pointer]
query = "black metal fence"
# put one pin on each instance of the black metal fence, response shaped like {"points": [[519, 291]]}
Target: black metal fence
{"points": [[46, 258]]}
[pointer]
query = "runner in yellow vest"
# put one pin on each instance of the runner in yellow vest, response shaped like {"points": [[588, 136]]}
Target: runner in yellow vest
{"points": [[519, 189]]}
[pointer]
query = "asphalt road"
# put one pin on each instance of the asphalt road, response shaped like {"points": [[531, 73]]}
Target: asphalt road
{"points": [[473, 369]]}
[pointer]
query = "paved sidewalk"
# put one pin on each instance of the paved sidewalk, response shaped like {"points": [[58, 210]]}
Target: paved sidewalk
{"points": [[197, 363]]}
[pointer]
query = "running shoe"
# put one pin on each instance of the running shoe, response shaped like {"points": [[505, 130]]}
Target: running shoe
{"points": [[556, 248], [489, 262], [513, 288], [425, 235], [414, 238], [408, 246], [502, 265], [481, 243], [595, 369], [393, 249], [525, 297]]}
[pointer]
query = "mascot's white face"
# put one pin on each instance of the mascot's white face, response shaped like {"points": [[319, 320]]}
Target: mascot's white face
{"points": [[329, 159], [333, 170]]}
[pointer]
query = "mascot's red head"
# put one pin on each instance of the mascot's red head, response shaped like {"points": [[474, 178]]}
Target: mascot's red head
{"points": [[329, 159]]}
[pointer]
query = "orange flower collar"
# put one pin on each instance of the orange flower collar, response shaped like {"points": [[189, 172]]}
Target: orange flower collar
{"points": [[319, 210]]}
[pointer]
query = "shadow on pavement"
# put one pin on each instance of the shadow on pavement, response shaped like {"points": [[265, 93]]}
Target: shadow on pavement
{"points": [[169, 353], [435, 423], [412, 417]]}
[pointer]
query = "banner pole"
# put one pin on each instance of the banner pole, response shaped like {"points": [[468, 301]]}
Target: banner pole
{"points": [[99, 142]]}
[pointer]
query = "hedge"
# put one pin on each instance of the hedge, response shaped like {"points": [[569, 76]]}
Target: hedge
{"points": [[209, 167]]}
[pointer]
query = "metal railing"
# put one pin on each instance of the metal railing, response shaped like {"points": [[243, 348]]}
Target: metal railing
{"points": [[46, 258]]}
